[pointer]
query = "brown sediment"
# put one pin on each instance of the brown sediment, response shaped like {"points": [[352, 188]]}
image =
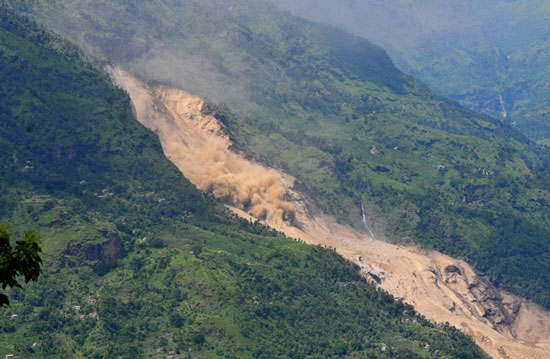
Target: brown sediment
{"points": [[194, 140], [441, 288]]}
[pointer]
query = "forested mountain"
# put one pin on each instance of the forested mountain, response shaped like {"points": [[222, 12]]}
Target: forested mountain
{"points": [[138, 262], [332, 110], [489, 55]]}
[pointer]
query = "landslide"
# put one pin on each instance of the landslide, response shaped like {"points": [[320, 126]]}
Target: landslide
{"points": [[440, 287], [332, 110], [138, 262]]}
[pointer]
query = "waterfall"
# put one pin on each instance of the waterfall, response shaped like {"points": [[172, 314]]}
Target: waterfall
{"points": [[365, 220]]}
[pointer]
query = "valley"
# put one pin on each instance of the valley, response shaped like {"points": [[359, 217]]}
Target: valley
{"points": [[488, 55], [332, 110], [138, 263], [439, 287]]}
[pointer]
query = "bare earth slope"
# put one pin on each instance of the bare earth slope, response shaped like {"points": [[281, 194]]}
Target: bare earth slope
{"points": [[440, 287]]}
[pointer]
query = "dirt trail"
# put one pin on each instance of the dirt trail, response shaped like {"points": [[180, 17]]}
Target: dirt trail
{"points": [[441, 288]]}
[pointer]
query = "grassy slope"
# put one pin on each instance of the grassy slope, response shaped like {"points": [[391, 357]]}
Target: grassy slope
{"points": [[202, 283], [332, 110]]}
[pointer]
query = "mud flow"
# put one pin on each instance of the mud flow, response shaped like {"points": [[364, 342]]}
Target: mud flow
{"points": [[441, 288]]}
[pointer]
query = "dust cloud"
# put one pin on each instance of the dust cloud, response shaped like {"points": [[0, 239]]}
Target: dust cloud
{"points": [[194, 140], [235, 181]]}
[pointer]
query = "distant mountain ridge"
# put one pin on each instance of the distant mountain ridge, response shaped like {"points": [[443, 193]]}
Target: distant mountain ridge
{"points": [[489, 55]]}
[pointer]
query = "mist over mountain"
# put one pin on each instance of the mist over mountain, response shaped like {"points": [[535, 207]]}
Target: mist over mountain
{"points": [[227, 52], [489, 55]]}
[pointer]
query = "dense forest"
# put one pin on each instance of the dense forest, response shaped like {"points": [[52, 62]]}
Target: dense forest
{"points": [[138, 263]]}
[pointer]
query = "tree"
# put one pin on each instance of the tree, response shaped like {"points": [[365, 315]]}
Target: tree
{"points": [[19, 259]]}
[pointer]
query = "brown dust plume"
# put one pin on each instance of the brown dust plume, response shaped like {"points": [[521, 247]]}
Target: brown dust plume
{"points": [[194, 140]]}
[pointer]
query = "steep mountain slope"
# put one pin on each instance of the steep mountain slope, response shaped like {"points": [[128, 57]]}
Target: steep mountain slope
{"points": [[440, 287], [332, 110], [138, 262], [490, 55]]}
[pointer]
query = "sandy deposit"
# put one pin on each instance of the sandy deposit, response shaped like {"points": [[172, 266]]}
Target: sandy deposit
{"points": [[441, 288]]}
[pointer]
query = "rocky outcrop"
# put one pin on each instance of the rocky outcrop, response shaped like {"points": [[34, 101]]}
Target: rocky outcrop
{"points": [[102, 255]]}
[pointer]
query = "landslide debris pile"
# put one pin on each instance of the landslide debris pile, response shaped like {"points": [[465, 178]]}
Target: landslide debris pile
{"points": [[438, 286]]}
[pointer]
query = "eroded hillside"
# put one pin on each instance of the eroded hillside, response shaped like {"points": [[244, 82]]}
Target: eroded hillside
{"points": [[440, 287], [197, 144]]}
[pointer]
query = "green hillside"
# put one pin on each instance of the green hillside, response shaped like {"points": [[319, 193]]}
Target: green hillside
{"points": [[477, 52], [332, 110], [138, 262]]}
